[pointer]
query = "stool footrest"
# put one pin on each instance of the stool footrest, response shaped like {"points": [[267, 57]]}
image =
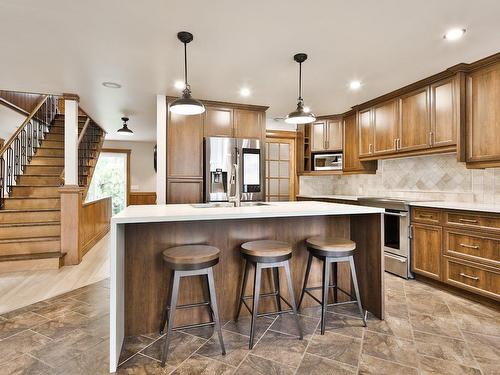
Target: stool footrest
{"points": [[191, 305], [268, 295], [191, 326]]}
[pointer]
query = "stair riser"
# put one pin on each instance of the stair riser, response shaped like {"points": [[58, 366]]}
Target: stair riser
{"points": [[35, 192], [26, 204], [30, 231], [47, 143], [31, 265], [50, 152], [19, 248], [49, 170], [54, 137], [47, 161], [39, 180], [28, 217]]}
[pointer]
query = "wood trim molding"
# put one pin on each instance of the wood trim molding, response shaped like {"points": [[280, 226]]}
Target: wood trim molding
{"points": [[122, 151], [68, 96], [288, 134], [214, 103]]}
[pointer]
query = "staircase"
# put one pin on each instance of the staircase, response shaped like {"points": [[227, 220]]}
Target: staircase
{"points": [[30, 216]]}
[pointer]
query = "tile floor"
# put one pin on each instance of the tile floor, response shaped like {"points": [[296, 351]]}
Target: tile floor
{"points": [[427, 331]]}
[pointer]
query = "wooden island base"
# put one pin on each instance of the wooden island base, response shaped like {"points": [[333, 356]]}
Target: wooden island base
{"points": [[147, 278]]}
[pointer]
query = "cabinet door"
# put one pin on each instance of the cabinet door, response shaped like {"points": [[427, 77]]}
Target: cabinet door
{"points": [[385, 126], [218, 122], [248, 124], [318, 136], [415, 127], [483, 114], [334, 135], [184, 145], [426, 250], [365, 132], [185, 191], [444, 106], [350, 149]]}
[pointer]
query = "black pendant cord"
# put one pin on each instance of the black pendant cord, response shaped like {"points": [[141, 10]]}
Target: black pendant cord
{"points": [[185, 66], [300, 81]]}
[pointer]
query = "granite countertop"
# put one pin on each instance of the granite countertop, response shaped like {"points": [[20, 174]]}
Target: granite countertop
{"points": [[468, 206], [341, 197]]}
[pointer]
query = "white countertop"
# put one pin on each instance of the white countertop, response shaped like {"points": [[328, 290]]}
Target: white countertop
{"points": [[341, 197], [186, 212], [468, 206]]}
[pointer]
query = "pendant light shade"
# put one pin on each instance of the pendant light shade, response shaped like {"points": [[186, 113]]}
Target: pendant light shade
{"points": [[125, 130], [300, 116], [186, 105]]}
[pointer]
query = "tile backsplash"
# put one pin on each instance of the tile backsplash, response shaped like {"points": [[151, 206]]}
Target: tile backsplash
{"points": [[437, 177]]}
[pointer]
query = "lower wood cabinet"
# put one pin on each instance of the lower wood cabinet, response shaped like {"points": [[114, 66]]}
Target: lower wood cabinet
{"points": [[185, 191], [426, 250]]}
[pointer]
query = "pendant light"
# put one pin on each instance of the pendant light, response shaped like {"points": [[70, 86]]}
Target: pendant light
{"points": [[186, 105], [300, 116], [125, 130]]}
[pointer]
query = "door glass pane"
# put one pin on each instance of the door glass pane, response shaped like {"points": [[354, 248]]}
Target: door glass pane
{"points": [[284, 187], [273, 151], [284, 169], [273, 169], [273, 186], [284, 151]]}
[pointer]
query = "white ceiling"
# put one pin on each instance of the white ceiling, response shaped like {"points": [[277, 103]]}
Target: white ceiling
{"points": [[73, 46]]}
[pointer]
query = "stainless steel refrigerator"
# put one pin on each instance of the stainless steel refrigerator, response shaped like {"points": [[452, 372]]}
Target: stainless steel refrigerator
{"points": [[226, 157]]}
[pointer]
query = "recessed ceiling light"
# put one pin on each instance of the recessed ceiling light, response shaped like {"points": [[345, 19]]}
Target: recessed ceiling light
{"points": [[111, 85], [354, 85], [179, 85], [245, 91], [454, 34]]}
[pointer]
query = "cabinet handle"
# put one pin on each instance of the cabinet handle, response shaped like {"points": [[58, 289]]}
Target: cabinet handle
{"points": [[469, 277], [470, 221], [370, 148], [430, 138], [426, 216], [469, 246], [411, 231], [395, 143], [399, 143]]}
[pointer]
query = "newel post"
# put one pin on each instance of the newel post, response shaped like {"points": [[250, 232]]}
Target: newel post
{"points": [[71, 194]]}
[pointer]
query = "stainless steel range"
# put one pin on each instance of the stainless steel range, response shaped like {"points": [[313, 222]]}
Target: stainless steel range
{"points": [[397, 247]]}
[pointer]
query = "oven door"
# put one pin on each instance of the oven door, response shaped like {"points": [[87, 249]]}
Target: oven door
{"points": [[396, 232]]}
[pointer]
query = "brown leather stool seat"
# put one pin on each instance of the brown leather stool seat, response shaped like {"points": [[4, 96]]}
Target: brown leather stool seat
{"points": [[191, 257], [331, 246], [267, 249]]}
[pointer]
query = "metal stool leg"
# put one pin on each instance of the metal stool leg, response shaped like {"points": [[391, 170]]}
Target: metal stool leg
{"points": [[292, 298], [173, 305], [164, 320], [276, 275], [243, 287], [324, 301], [255, 305], [335, 280], [356, 288], [306, 278], [215, 310]]}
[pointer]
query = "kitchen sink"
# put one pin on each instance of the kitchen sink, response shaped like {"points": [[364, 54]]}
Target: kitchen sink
{"points": [[227, 204], [253, 204]]}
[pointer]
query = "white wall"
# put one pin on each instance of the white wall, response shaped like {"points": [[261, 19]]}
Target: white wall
{"points": [[143, 175], [272, 124], [10, 120]]}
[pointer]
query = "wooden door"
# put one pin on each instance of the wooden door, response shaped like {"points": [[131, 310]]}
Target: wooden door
{"points": [[365, 132], [318, 136], [184, 146], [444, 107], [280, 169], [334, 135], [218, 122], [483, 115], [414, 121], [426, 250], [248, 124], [184, 191], [385, 127]]}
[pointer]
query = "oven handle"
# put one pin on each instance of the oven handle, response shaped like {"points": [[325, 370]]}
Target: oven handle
{"points": [[396, 214]]}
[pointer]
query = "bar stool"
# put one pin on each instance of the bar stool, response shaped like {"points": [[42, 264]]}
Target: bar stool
{"points": [[331, 250], [266, 254], [184, 261]]}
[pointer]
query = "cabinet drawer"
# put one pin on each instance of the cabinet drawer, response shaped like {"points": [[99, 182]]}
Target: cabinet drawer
{"points": [[473, 220], [473, 278], [426, 215], [476, 248]]}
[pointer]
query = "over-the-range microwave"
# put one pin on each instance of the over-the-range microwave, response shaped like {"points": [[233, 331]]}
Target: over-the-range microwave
{"points": [[327, 162]]}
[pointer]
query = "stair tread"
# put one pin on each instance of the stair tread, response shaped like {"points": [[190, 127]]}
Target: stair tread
{"points": [[50, 148], [30, 210], [30, 224], [48, 255], [36, 185], [50, 156], [24, 197], [30, 239]]}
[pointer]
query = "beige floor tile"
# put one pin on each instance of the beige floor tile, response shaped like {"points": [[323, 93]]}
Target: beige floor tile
{"points": [[203, 366], [142, 365], [236, 348], [314, 365], [254, 365], [25, 365], [390, 348], [336, 347], [281, 348], [375, 366], [21, 343], [429, 365], [181, 347]]}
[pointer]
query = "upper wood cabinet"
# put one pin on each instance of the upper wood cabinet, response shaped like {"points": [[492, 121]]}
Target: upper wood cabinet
{"points": [[385, 127], [218, 122], [365, 132], [414, 121], [444, 115], [351, 162], [483, 117], [426, 250], [184, 145], [326, 135], [248, 124]]}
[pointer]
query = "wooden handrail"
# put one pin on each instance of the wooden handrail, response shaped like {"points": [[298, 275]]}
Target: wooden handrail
{"points": [[99, 126], [19, 129], [84, 129], [14, 107]]}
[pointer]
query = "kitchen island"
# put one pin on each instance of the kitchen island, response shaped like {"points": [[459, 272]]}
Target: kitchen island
{"points": [[139, 279]]}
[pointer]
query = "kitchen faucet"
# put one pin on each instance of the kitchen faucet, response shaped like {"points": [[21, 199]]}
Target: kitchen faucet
{"points": [[234, 179]]}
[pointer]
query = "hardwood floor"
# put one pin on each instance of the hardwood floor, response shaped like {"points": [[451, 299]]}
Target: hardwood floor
{"points": [[426, 331], [20, 289]]}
